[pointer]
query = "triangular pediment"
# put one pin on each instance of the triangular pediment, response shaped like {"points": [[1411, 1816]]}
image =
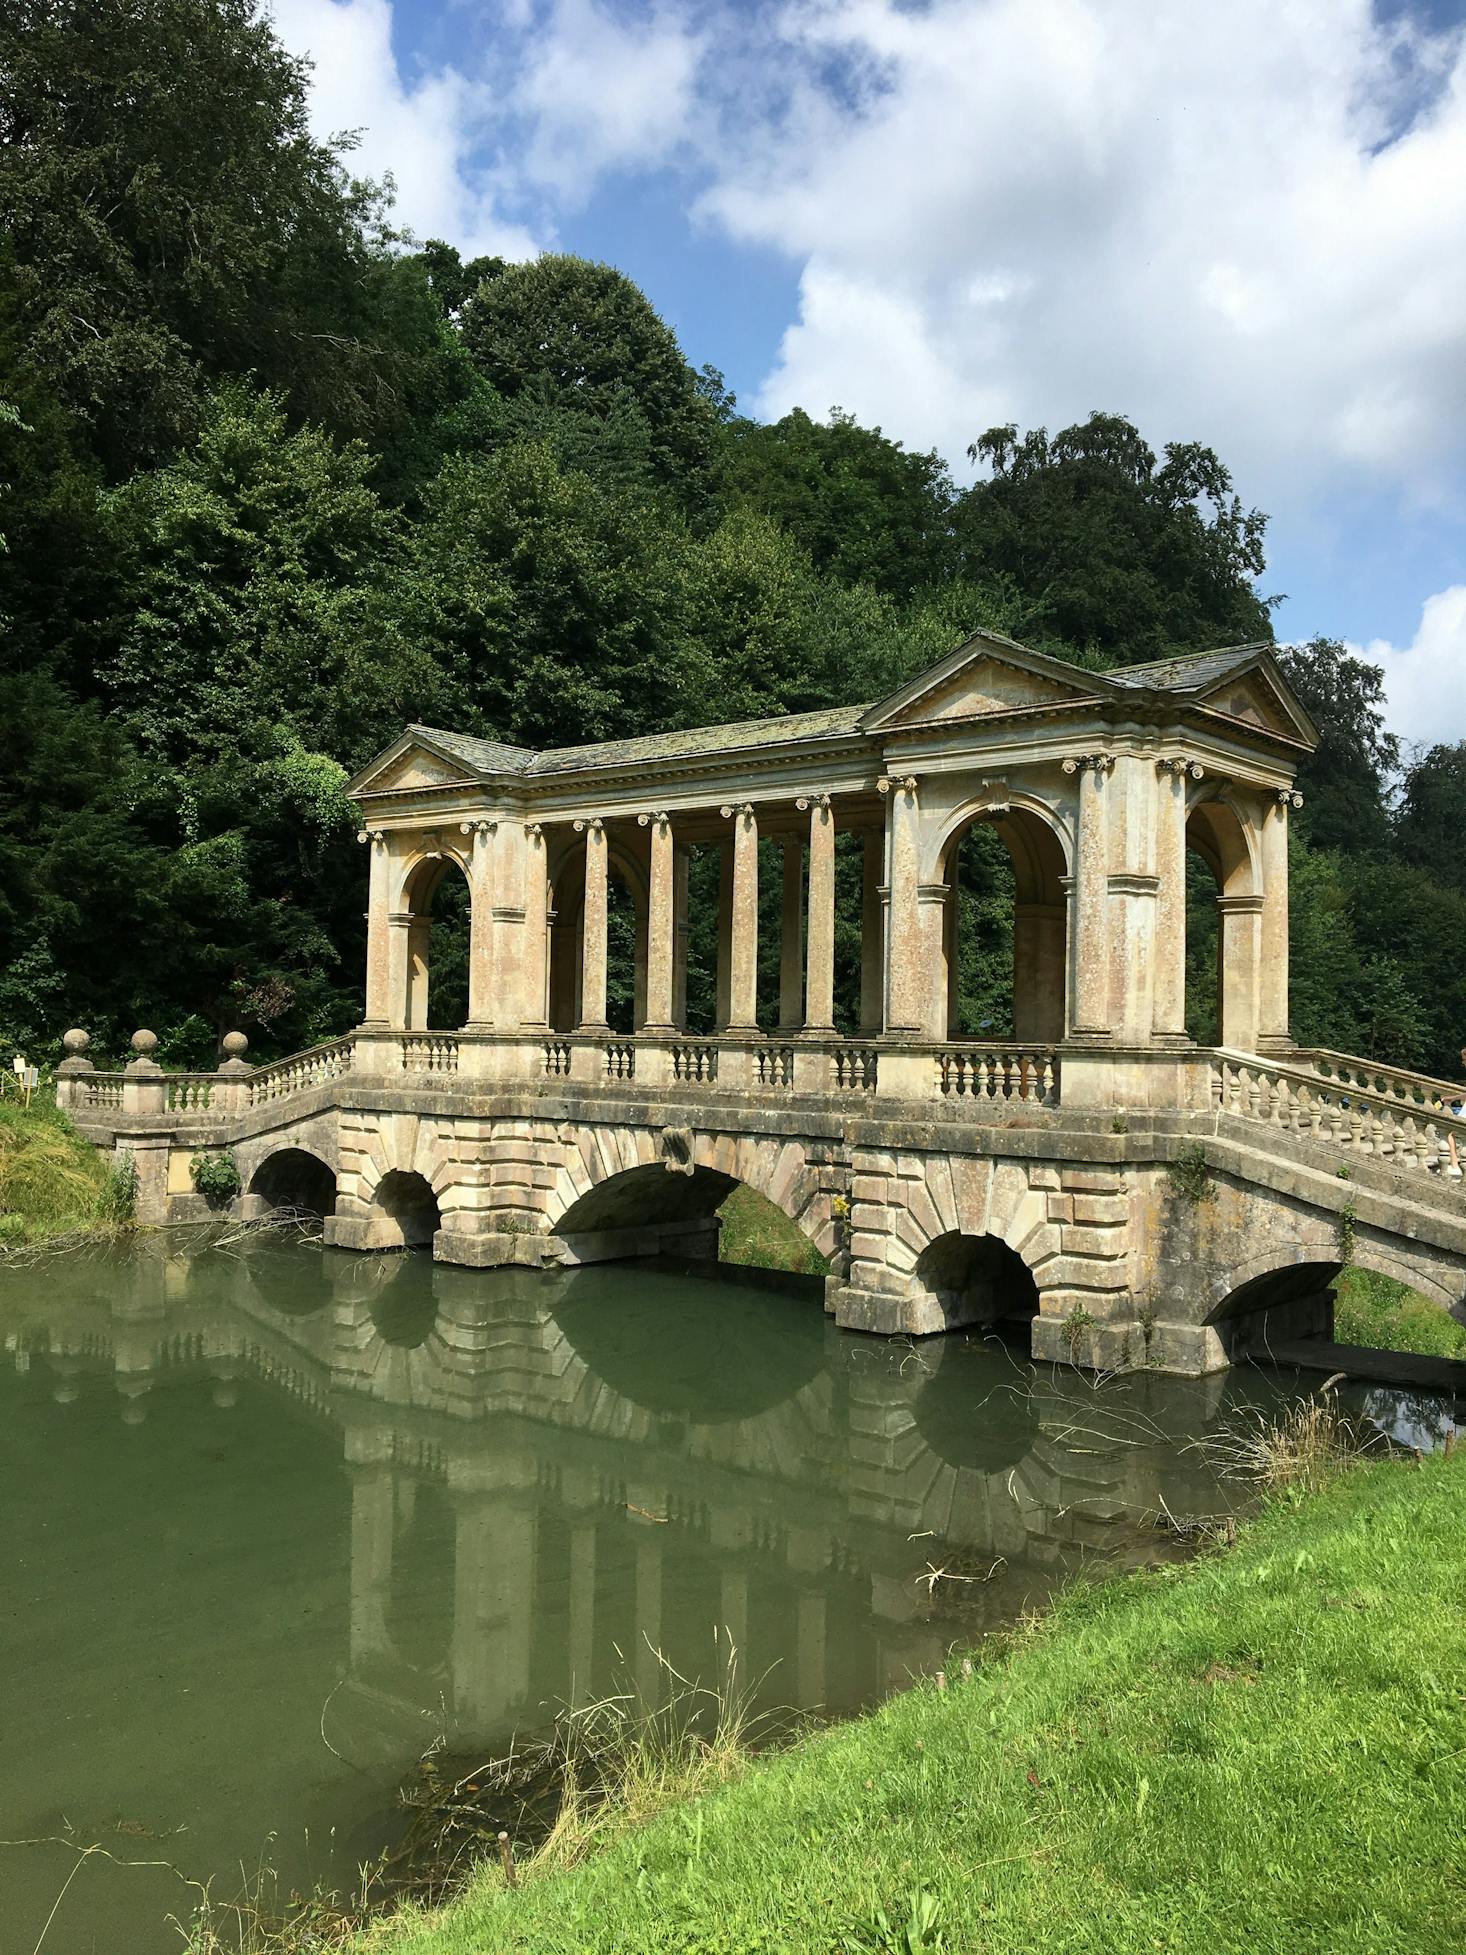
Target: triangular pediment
{"points": [[410, 764], [1254, 699], [987, 675]]}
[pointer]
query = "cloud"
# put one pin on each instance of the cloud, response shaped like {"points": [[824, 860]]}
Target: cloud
{"points": [[1240, 224], [1425, 681], [602, 92], [428, 133]]}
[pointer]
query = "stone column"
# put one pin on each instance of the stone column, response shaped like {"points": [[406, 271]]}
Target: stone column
{"points": [[1133, 889], [681, 863], [1170, 920], [1272, 1026], [593, 928], [1038, 972], [791, 935], [534, 1000], [872, 976], [482, 988], [905, 985], [1238, 946], [1089, 952], [819, 996], [932, 917], [723, 1008], [419, 943], [660, 924], [743, 950], [952, 952], [379, 928]]}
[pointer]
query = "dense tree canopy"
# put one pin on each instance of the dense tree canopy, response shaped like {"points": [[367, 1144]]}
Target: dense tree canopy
{"points": [[274, 481]]}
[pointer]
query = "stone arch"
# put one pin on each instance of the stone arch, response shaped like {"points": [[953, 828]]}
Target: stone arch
{"points": [[1225, 834], [297, 1178], [973, 1279], [625, 1178], [423, 877], [1039, 848], [403, 1143], [1280, 1277], [405, 1200]]}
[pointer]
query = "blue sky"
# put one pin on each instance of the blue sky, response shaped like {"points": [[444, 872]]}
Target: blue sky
{"points": [[1244, 225]]}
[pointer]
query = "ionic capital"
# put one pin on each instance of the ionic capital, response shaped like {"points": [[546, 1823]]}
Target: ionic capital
{"points": [[896, 783], [1289, 797], [807, 801], [731, 808], [1098, 763], [1179, 764], [657, 815], [533, 828], [377, 836], [477, 827], [591, 824]]}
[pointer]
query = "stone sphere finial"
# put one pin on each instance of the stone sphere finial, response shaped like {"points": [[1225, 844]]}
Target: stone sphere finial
{"points": [[144, 1044], [75, 1042], [234, 1045]]}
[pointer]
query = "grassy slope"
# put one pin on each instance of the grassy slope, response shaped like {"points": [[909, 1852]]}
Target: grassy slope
{"points": [[1371, 1309], [757, 1233], [1261, 1751], [51, 1180]]}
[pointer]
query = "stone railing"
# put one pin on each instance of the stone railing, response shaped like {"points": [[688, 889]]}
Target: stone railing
{"points": [[101, 1093], [999, 1072], [1341, 1113], [1417, 1090], [557, 1058], [620, 1059], [429, 1052], [773, 1065], [695, 1062], [855, 1068], [190, 1092], [299, 1071]]}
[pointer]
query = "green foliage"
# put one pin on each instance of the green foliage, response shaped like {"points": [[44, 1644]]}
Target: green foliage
{"points": [[1431, 820], [215, 1177], [1189, 1175], [1344, 782], [52, 1182], [1382, 1314]]}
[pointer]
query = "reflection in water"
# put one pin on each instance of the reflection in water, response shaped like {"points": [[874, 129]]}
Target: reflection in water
{"points": [[275, 1520]]}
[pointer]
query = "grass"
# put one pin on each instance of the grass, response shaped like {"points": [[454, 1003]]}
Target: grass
{"points": [[52, 1182], [1376, 1310], [759, 1235], [1260, 1751]]}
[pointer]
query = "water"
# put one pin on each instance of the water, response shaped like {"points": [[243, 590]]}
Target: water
{"points": [[275, 1519]]}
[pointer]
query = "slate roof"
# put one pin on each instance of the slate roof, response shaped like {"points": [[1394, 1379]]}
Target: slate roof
{"points": [[492, 757], [1188, 673]]}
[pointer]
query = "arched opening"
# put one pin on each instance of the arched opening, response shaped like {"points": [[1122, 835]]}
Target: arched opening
{"points": [[625, 941], [297, 1182], [1360, 1305], [1000, 966], [407, 1199], [1223, 935], [975, 1279], [687, 1212], [1278, 1307], [439, 908], [972, 1410]]}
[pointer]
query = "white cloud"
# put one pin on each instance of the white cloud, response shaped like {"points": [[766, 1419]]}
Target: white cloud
{"points": [[1236, 223], [1425, 681], [602, 92], [424, 132]]}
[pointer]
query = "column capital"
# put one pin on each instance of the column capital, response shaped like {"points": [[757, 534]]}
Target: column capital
{"points": [[1098, 763], [1289, 797], [731, 808], [533, 828], [807, 801], [1181, 765], [481, 827], [376, 836], [897, 783], [591, 824], [658, 815]]}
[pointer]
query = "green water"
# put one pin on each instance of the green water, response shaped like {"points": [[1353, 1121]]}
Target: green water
{"points": [[276, 1519]]}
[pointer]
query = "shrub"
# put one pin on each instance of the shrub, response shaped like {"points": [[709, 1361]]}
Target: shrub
{"points": [[215, 1177]]}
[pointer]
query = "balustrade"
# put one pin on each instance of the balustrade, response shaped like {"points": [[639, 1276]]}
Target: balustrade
{"points": [[1344, 1112], [102, 1093], [429, 1052], [557, 1058], [997, 1072], [856, 1068], [190, 1092], [695, 1061], [620, 1059], [301, 1070], [773, 1065]]}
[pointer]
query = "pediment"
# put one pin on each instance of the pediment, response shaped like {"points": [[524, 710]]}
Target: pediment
{"points": [[413, 766], [983, 677], [1250, 697]]}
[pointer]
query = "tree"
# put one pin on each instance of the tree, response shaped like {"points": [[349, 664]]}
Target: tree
{"points": [[1116, 554], [1430, 825], [865, 509], [171, 219], [564, 335], [1345, 782]]}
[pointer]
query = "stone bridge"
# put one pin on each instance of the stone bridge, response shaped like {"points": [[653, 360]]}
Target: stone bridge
{"points": [[1142, 1199]]}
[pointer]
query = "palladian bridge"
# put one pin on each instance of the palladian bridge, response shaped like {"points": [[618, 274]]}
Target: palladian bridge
{"points": [[1143, 1199]]}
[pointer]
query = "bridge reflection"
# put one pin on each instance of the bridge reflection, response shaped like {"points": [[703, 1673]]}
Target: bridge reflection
{"points": [[553, 1479]]}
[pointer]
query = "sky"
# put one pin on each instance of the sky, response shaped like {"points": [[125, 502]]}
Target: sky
{"points": [[1242, 224]]}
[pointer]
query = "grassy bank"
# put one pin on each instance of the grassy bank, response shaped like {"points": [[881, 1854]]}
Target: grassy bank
{"points": [[1264, 1750], [761, 1236], [52, 1182], [1375, 1310]]}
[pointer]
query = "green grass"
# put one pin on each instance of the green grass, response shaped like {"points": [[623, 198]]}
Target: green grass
{"points": [[1370, 1309], [52, 1182], [757, 1234], [1263, 1751]]}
